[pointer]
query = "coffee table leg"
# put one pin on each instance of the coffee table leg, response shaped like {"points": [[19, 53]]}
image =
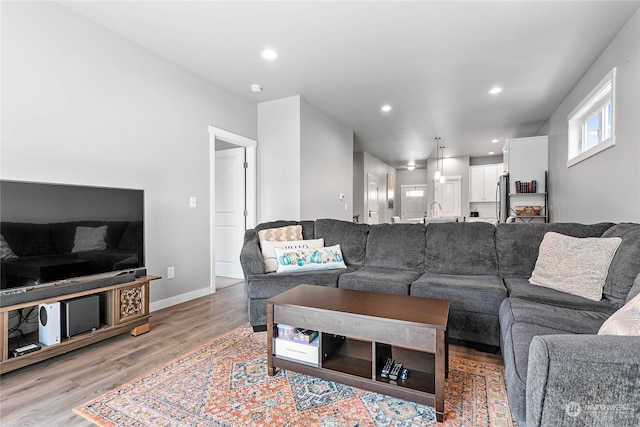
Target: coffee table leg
{"points": [[271, 370], [446, 353], [441, 356]]}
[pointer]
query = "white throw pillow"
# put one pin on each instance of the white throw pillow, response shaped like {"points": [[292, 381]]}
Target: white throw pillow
{"points": [[90, 239], [577, 266], [269, 254], [290, 260], [625, 321]]}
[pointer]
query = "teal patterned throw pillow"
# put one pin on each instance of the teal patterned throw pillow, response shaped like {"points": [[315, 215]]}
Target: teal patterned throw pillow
{"points": [[305, 259]]}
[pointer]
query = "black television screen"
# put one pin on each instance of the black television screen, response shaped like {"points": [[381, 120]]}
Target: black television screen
{"points": [[56, 232]]}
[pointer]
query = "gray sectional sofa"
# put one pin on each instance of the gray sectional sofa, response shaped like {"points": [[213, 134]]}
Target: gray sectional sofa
{"points": [[558, 371]]}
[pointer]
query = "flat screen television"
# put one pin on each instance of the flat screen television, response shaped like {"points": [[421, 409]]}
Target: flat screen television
{"points": [[53, 234]]}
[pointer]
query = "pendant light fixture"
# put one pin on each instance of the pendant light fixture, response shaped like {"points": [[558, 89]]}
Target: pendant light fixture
{"points": [[442, 180], [437, 175]]}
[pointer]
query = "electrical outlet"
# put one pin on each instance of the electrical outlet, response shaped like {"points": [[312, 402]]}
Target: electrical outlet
{"points": [[171, 272]]}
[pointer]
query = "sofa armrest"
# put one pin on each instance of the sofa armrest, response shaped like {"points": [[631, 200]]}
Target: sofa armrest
{"points": [[251, 255], [583, 380]]}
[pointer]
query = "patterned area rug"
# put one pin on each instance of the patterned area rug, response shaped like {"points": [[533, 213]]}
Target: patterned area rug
{"points": [[225, 383]]}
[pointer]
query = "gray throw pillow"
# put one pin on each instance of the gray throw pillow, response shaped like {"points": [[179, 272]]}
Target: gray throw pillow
{"points": [[574, 265], [90, 239]]}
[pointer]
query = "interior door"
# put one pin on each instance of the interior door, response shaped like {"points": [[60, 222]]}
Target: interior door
{"points": [[413, 202], [447, 194], [229, 211], [372, 199]]}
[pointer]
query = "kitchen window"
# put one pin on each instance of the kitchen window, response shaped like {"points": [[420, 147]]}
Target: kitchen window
{"points": [[592, 123]]}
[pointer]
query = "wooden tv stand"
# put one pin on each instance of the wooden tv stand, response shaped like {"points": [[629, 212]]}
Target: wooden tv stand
{"points": [[123, 307]]}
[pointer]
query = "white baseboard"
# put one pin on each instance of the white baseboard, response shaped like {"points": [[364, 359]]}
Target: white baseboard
{"points": [[168, 302]]}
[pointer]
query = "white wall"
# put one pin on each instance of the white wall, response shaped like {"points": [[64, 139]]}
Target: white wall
{"points": [[604, 187], [279, 160], [326, 166], [82, 105], [365, 164], [304, 162]]}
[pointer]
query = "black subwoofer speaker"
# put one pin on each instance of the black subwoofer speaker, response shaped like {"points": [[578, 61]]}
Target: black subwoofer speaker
{"points": [[80, 315]]}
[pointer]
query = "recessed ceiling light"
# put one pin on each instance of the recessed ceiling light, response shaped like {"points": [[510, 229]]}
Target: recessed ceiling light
{"points": [[269, 54], [256, 88], [386, 108], [491, 152], [495, 90], [411, 166], [494, 140]]}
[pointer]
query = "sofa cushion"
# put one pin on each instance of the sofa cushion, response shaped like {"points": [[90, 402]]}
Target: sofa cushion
{"points": [[351, 237], [461, 248], [625, 321], [269, 254], [514, 345], [268, 285], [132, 236], [574, 265], [307, 259], [522, 289], [375, 279], [29, 239], [396, 246], [635, 289], [566, 320], [482, 294], [626, 263], [517, 244]]}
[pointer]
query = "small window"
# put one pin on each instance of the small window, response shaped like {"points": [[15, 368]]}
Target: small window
{"points": [[592, 123]]}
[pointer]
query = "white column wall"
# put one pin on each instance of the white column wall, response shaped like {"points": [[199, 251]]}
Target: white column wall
{"points": [[326, 166], [279, 159]]}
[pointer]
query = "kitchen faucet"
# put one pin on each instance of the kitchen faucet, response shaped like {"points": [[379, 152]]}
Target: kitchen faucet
{"points": [[431, 208]]}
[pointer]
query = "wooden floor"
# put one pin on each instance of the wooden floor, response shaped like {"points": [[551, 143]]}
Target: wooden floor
{"points": [[45, 394]]}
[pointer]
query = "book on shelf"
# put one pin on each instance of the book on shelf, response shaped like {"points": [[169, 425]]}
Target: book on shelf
{"points": [[526, 186]]}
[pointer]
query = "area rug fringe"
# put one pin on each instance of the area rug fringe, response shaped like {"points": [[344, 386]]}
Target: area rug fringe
{"points": [[225, 383]]}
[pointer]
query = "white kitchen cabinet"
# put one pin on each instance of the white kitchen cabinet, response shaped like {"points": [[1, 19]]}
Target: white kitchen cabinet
{"points": [[483, 181]]}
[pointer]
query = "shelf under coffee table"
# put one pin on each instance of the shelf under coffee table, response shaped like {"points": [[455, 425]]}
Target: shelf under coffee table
{"points": [[358, 331]]}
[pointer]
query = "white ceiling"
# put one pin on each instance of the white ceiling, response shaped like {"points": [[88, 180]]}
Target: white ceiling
{"points": [[433, 61]]}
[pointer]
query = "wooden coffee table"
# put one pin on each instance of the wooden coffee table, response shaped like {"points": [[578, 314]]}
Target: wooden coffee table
{"points": [[358, 332]]}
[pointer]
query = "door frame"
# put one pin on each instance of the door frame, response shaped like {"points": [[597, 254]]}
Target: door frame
{"points": [[405, 187], [251, 146]]}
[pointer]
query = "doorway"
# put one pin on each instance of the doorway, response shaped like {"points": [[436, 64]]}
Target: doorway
{"points": [[372, 198], [232, 199], [413, 203]]}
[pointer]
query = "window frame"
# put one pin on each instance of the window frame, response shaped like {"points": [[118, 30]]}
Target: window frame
{"points": [[595, 103]]}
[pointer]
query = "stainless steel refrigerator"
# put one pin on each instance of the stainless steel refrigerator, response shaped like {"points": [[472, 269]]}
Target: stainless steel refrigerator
{"points": [[502, 198]]}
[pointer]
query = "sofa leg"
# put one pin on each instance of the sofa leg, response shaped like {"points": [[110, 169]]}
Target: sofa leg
{"points": [[259, 328]]}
